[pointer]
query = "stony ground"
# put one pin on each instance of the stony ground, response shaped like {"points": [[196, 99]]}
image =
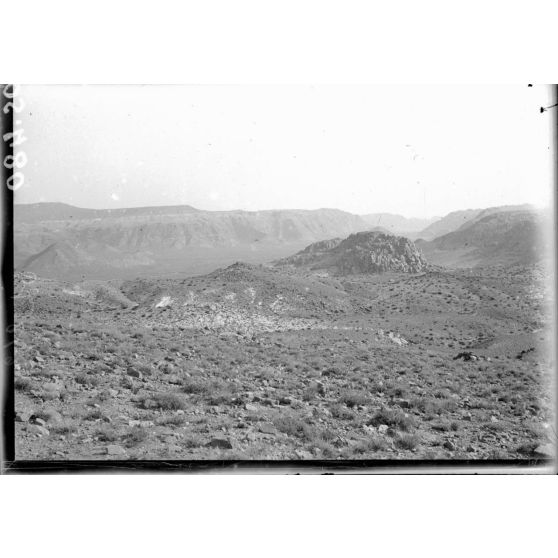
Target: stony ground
{"points": [[255, 363]]}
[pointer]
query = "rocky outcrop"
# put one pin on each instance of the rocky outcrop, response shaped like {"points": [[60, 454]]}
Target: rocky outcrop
{"points": [[364, 252], [375, 252]]}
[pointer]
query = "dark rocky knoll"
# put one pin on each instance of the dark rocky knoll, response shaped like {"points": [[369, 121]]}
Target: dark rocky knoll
{"points": [[364, 252]]}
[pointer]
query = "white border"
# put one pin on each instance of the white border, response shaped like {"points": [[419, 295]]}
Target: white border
{"points": [[286, 42]]}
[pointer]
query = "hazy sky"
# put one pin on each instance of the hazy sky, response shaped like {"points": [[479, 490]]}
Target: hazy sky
{"points": [[417, 151]]}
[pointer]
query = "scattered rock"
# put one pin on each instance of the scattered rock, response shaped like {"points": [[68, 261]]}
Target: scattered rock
{"points": [[220, 443], [115, 450], [383, 428], [23, 416], [141, 423], [37, 429], [397, 339], [520, 355], [50, 392], [319, 387], [449, 445], [466, 356], [53, 416], [285, 401], [39, 421], [403, 403], [132, 372], [302, 454]]}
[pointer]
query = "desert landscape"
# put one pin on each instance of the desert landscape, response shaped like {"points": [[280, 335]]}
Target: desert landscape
{"points": [[174, 333]]}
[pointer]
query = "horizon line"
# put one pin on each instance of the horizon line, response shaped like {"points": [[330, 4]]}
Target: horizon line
{"points": [[437, 217]]}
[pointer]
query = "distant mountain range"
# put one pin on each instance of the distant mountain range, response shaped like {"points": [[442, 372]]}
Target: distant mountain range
{"points": [[35, 212], [61, 241], [397, 224], [456, 219], [57, 240], [492, 238]]}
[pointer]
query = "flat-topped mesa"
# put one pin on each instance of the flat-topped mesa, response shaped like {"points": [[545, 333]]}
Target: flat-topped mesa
{"points": [[363, 252]]}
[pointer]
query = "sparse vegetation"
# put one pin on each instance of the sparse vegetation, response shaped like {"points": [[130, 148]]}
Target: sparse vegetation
{"points": [[23, 384], [313, 379], [407, 441], [353, 398], [164, 401], [394, 418]]}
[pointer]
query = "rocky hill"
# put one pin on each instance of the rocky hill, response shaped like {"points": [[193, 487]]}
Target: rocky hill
{"points": [[491, 238], [364, 252]]}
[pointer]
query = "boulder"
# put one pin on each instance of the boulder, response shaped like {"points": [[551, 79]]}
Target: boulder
{"points": [[23, 416]]}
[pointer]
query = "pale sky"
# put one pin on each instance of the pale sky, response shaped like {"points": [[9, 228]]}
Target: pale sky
{"points": [[418, 151]]}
